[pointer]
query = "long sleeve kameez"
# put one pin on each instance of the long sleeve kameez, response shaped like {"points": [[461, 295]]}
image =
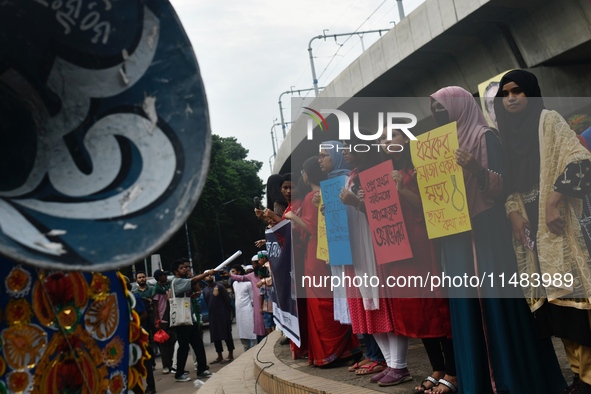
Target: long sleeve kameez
{"points": [[495, 345]]}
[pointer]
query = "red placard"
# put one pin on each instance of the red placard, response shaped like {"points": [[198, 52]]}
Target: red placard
{"points": [[388, 232]]}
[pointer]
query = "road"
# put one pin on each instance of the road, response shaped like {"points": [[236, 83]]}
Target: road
{"points": [[167, 384]]}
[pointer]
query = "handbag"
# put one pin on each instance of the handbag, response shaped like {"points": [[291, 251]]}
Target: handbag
{"points": [[161, 336], [180, 309]]}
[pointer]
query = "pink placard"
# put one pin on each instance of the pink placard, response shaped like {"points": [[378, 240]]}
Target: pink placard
{"points": [[382, 203]]}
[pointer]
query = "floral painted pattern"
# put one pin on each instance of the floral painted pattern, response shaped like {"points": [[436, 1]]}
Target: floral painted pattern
{"points": [[23, 345], [99, 287], [18, 282], [18, 312], [62, 332], [113, 352], [117, 383], [20, 382], [102, 317]]}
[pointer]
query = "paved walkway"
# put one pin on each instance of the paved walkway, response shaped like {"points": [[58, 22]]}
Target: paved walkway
{"points": [[417, 363]]}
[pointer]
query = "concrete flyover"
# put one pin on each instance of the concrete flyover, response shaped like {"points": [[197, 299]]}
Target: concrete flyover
{"points": [[463, 42]]}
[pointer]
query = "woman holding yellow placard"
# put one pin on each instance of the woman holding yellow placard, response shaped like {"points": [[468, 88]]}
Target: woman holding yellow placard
{"points": [[551, 173], [494, 341]]}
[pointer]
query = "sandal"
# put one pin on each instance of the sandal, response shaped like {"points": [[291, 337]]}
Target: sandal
{"points": [[373, 367], [226, 360], [422, 387], [447, 384], [216, 361], [358, 365]]}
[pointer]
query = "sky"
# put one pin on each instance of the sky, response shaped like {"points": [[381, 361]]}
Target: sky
{"points": [[249, 52]]}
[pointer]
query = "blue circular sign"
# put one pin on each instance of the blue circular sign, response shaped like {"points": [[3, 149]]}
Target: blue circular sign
{"points": [[104, 131]]}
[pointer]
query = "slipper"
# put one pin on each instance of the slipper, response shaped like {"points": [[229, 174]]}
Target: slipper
{"points": [[448, 385], [226, 361], [216, 361], [374, 367], [358, 365], [422, 387]]}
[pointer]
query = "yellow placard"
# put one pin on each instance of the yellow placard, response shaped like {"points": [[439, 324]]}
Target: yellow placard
{"points": [[487, 91], [322, 247], [441, 182]]}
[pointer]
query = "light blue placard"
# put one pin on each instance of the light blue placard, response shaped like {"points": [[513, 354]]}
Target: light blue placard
{"points": [[337, 228]]}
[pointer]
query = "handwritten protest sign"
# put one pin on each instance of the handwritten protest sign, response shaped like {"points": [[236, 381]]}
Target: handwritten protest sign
{"points": [[441, 181], [322, 246], [337, 227], [382, 204]]}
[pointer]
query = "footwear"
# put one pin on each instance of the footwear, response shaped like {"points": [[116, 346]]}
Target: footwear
{"points": [[395, 376], [226, 360], [173, 370], [378, 377], [183, 378], [371, 368], [150, 391], [422, 387], [165, 371], [358, 364], [217, 361], [449, 387], [204, 374]]}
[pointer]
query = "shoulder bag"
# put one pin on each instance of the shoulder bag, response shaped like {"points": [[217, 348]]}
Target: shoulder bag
{"points": [[180, 309]]}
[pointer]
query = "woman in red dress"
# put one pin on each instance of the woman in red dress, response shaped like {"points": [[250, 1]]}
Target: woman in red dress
{"points": [[424, 316], [328, 340], [369, 313]]}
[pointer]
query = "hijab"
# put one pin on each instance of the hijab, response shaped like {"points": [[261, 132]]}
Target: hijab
{"points": [[472, 126], [519, 132], [339, 165]]}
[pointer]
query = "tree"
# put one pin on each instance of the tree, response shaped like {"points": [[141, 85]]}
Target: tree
{"points": [[227, 200]]}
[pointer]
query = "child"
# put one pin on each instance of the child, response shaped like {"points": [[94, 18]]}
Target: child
{"points": [[266, 289]]}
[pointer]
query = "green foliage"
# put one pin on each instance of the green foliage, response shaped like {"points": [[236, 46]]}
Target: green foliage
{"points": [[232, 178]]}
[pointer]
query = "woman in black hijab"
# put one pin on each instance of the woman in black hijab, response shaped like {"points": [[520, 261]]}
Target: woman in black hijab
{"points": [[550, 173], [519, 128]]}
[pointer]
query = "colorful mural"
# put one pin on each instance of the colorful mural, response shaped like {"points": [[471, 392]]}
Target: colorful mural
{"points": [[68, 332]]}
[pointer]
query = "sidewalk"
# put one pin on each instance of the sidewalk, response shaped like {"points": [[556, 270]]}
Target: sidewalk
{"points": [[418, 365]]}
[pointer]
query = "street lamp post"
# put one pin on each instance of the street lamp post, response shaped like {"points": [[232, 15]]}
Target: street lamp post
{"points": [[400, 9], [270, 165], [189, 246], [291, 91], [273, 138], [325, 36]]}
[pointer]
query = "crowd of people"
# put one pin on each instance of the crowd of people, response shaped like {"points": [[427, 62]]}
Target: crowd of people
{"points": [[251, 285], [525, 185]]}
